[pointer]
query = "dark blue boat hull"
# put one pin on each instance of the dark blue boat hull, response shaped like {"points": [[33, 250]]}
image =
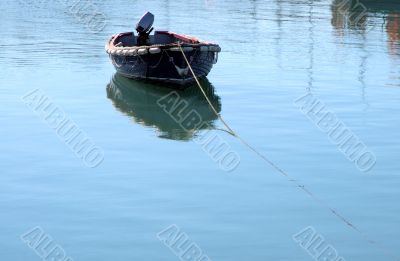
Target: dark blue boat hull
{"points": [[166, 66]]}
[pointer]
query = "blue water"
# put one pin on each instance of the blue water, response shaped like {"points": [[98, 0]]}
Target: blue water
{"points": [[155, 174]]}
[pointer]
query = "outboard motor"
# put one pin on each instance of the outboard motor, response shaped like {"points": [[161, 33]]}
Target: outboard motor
{"points": [[144, 28]]}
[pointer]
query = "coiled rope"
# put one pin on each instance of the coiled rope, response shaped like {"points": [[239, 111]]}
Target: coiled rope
{"points": [[302, 187]]}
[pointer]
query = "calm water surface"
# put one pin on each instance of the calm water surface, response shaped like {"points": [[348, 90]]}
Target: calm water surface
{"points": [[154, 174]]}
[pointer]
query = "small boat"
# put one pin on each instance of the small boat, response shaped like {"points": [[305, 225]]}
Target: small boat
{"points": [[158, 57]]}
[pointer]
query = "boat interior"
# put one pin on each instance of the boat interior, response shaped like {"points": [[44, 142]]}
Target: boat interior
{"points": [[144, 27], [159, 38]]}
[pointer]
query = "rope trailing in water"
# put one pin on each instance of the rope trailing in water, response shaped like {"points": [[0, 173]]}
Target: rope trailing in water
{"points": [[280, 171]]}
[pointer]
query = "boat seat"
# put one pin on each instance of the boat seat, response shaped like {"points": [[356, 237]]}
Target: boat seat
{"points": [[161, 38], [179, 37], [127, 40]]}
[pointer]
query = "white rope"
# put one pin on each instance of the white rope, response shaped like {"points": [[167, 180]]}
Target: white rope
{"points": [[280, 171]]}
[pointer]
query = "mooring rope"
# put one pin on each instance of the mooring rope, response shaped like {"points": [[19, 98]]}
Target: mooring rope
{"points": [[280, 171]]}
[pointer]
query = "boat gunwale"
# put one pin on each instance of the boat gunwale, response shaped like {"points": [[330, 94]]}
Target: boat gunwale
{"points": [[188, 42]]}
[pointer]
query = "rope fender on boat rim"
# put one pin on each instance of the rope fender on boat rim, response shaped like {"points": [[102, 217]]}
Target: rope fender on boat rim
{"points": [[299, 185], [155, 49]]}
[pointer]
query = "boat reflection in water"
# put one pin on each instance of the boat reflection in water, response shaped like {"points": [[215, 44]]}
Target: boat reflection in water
{"points": [[138, 100], [349, 14], [393, 31], [363, 15]]}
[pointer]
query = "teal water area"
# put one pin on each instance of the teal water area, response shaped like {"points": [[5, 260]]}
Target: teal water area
{"points": [[156, 173]]}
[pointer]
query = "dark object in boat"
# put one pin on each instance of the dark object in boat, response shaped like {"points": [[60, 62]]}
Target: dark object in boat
{"points": [[144, 28], [139, 101], [158, 57]]}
